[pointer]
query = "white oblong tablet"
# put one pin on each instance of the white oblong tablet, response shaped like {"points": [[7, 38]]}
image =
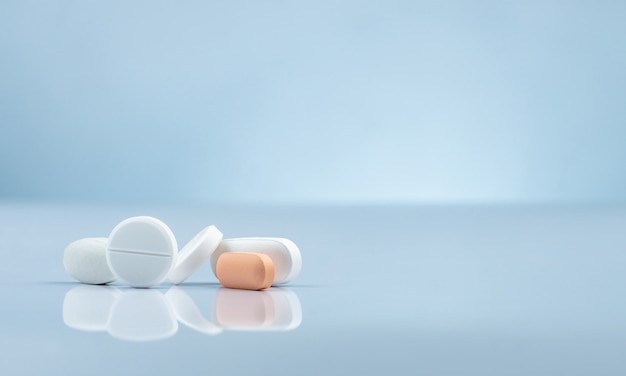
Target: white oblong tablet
{"points": [[142, 315], [284, 253], [85, 260], [195, 253], [87, 307], [272, 309], [141, 251], [188, 313]]}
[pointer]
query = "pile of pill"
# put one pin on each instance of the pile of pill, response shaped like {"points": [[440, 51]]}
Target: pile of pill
{"points": [[142, 252]]}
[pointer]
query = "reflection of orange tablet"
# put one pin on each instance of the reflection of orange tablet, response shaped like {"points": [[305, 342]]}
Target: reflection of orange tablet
{"points": [[242, 309], [272, 309], [244, 270]]}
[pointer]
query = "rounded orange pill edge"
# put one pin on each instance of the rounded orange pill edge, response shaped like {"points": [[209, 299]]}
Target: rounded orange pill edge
{"points": [[245, 270]]}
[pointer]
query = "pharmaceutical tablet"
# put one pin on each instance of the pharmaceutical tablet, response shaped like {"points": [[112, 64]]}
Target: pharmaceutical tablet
{"points": [[284, 254], [249, 271], [141, 251], [195, 253], [85, 260]]}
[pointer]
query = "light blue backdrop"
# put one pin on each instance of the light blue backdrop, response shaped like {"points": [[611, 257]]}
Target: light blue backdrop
{"points": [[316, 101]]}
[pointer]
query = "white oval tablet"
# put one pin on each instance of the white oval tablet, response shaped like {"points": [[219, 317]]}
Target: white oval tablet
{"points": [[283, 252], [141, 251], [195, 253], [86, 260]]}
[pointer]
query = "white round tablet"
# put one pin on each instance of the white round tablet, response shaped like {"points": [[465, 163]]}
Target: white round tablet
{"points": [[195, 253], [141, 251], [86, 260], [283, 252]]}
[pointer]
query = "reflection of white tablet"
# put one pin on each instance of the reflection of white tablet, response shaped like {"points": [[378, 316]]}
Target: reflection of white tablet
{"points": [[142, 315], [283, 252], [188, 313], [87, 307]]}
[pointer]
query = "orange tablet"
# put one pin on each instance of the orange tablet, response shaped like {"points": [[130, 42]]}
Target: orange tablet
{"points": [[245, 270]]}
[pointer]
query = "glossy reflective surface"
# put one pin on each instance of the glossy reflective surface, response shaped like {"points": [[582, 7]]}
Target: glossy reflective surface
{"points": [[411, 290], [149, 315]]}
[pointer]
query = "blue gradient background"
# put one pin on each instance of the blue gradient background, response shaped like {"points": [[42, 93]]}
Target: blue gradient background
{"points": [[313, 102]]}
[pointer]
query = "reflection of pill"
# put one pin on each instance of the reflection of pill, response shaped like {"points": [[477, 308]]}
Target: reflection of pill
{"points": [[249, 271], [240, 309], [87, 307], [86, 260], [272, 309], [188, 313], [142, 315], [141, 251]]}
